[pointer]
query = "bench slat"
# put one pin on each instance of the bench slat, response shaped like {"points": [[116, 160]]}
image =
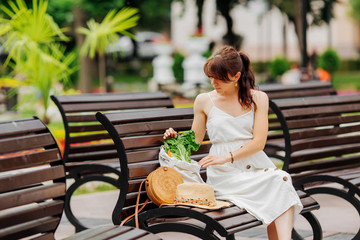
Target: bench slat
{"points": [[325, 164], [239, 220], [85, 128], [335, 109], [308, 102], [86, 234], [114, 233], [299, 93], [31, 212], [270, 88], [312, 154], [327, 141], [19, 128], [46, 236], [30, 228], [145, 155], [143, 141], [323, 132], [29, 159], [321, 121], [88, 138], [141, 116], [89, 147], [26, 143], [30, 195], [183, 124], [106, 106], [83, 118], [110, 97], [92, 156], [10, 182], [140, 170], [127, 234]]}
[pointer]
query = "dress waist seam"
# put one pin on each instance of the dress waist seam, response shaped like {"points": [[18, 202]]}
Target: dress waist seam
{"points": [[233, 141]]}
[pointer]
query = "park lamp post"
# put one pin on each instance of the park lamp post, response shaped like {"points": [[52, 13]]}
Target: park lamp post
{"points": [[304, 56]]}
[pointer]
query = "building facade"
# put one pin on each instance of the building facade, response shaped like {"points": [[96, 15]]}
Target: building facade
{"points": [[263, 30]]}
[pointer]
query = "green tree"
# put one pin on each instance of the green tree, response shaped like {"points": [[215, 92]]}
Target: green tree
{"points": [[76, 13], [155, 15], [321, 11], [223, 7], [355, 13], [100, 35], [32, 39]]}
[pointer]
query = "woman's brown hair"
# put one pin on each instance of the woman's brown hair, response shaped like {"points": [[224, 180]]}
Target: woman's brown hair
{"points": [[228, 60]]}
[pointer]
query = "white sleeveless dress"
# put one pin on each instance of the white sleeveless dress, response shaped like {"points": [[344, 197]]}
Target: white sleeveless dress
{"points": [[253, 183]]}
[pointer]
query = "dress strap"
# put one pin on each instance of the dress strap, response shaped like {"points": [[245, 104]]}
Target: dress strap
{"points": [[211, 99]]}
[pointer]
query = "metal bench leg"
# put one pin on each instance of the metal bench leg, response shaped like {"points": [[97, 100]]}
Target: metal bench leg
{"points": [[315, 226], [81, 179], [349, 195], [207, 232], [183, 228]]}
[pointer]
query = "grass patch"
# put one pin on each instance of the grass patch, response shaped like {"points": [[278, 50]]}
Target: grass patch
{"points": [[346, 80], [98, 188]]}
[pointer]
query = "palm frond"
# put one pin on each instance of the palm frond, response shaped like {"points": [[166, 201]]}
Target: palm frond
{"points": [[7, 11], [100, 35]]}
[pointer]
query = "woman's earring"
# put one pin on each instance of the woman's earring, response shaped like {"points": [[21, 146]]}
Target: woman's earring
{"points": [[236, 84]]}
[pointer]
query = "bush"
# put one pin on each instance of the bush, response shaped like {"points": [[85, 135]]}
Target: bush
{"points": [[260, 67], [329, 60], [349, 65], [178, 68], [279, 66]]}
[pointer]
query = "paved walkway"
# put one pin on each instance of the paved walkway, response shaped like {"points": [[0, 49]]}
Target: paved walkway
{"points": [[339, 219]]}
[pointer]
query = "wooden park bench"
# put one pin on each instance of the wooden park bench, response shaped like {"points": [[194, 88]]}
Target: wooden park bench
{"points": [[138, 136], [32, 185], [322, 145], [89, 154]]}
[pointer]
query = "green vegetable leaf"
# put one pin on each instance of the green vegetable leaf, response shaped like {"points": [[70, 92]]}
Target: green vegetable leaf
{"points": [[181, 146]]}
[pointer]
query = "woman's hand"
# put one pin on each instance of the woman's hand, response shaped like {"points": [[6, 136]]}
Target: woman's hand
{"points": [[170, 133], [214, 160]]}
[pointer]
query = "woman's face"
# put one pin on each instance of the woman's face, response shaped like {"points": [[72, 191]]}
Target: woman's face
{"points": [[221, 86]]}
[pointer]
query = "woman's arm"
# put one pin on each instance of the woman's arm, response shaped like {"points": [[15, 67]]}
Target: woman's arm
{"points": [[199, 122], [260, 131]]}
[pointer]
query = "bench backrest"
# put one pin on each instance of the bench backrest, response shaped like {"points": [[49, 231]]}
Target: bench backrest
{"points": [[304, 89], [32, 180], [282, 91], [138, 137], [321, 133], [85, 138]]}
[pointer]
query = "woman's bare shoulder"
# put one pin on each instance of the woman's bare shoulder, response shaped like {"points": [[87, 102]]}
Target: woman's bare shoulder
{"points": [[203, 103], [202, 98], [260, 96]]}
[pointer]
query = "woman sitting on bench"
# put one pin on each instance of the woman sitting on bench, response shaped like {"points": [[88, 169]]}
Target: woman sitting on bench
{"points": [[235, 116]]}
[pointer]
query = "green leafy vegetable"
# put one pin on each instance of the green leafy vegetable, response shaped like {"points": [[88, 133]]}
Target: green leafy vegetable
{"points": [[181, 146]]}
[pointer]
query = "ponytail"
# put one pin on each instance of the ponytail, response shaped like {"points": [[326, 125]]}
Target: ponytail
{"points": [[246, 82]]}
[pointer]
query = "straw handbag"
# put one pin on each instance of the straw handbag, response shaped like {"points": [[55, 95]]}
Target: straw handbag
{"points": [[160, 187]]}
